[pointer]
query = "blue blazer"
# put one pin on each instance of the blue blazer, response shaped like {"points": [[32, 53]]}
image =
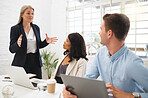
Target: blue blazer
{"points": [[20, 52]]}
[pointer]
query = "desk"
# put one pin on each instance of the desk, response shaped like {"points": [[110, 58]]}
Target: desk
{"points": [[22, 92]]}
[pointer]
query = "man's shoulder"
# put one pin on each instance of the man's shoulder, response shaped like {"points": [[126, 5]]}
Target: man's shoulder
{"points": [[132, 59], [131, 55]]}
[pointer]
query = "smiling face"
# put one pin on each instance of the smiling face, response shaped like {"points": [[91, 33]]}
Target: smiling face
{"points": [[28, 15], [67, 44]]}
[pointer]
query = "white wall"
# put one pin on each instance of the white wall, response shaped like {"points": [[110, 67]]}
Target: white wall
{"points": [[58, 25], [50, 16]]}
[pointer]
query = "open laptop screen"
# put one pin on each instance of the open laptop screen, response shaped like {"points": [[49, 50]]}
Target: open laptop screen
{"points": [[19, 77]]}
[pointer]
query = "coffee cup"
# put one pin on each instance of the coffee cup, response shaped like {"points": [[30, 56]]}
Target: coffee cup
{"points": [[51, 83]]}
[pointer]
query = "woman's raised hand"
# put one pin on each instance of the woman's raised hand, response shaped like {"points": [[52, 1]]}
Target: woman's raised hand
{"points": [[51, 40], [19, 41]]}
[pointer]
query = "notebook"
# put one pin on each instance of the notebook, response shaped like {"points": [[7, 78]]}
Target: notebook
{"points": [[19, 77], [85, 88]]}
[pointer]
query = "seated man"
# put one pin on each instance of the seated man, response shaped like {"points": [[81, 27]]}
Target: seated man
{"points": [[123, 72]]}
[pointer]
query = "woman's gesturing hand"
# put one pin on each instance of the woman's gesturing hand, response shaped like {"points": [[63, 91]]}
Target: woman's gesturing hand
{"points": [[51, 40], [19, 41]]}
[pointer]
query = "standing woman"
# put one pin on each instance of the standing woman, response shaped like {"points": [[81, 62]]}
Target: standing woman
{"points": [[25, 42], [74, 61]]}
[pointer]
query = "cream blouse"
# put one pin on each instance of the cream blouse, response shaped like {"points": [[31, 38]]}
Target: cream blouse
{"points": [[31, 42]]}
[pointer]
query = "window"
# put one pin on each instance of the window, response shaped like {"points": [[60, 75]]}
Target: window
{"points": [[137, 38], [85, 17]]}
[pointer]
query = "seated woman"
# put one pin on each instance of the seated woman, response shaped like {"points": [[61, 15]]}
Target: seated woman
{"points": [[74, 62]]}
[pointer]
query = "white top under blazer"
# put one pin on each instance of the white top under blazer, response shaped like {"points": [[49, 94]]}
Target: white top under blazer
{"points": [[31, 42]]}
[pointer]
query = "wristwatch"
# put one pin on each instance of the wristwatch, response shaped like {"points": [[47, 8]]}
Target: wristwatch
{"points": [[136, 95]]}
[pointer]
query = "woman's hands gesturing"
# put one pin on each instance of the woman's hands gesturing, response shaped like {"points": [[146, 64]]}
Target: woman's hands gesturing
{"points": [[51, 40], [19, 41]]}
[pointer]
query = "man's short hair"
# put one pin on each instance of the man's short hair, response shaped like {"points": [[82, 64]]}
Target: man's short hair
{"points": [[118, 23]]}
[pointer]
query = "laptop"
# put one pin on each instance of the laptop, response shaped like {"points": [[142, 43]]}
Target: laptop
{"points": [[19, 77], [85, 88]]}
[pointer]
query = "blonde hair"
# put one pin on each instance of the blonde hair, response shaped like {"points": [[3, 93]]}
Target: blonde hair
{"points": [[23, 9]]}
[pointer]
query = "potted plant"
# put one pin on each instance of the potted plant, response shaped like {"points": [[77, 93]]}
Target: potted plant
{"points": [[49, 62]]}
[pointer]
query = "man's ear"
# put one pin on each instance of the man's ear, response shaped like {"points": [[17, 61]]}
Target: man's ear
{"points": [[110, 34]]}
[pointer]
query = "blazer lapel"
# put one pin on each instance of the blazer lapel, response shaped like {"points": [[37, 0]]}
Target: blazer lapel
{"points": [[22, 30], [36, 34], [71, 66], [24, 38]]}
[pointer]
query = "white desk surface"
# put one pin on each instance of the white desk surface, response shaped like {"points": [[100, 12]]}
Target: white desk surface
{"points": [[23, 92]]}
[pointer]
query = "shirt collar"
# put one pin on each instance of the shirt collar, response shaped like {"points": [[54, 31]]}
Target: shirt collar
{"points": [[118, 53]]}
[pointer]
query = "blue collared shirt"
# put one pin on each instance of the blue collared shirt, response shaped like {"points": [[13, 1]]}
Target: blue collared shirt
{"points": [[124, 70]]}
